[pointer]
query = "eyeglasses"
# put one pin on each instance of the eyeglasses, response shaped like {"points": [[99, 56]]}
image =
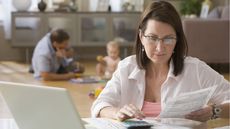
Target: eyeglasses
{"points": [[165, 40]]}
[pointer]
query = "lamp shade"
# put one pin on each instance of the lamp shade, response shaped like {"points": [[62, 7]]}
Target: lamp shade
{"points": [[21, 5]]}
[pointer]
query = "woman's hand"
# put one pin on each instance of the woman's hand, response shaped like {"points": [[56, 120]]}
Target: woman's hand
{"points": [[202, 115], [129, 111]]}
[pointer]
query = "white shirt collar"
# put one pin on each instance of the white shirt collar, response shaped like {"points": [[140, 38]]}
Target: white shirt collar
{"points": [[137, 73]]}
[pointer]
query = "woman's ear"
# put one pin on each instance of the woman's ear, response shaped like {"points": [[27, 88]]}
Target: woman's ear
{"points": [[140, 35]]}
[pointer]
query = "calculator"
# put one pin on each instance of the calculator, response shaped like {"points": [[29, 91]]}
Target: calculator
{"points": [[136, 124]]}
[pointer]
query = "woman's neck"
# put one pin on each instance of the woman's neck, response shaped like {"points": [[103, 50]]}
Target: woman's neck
{"points": [[157, 70]]}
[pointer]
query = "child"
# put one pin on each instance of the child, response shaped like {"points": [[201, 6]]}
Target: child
{"points": [[73, 65], [108, 64]]}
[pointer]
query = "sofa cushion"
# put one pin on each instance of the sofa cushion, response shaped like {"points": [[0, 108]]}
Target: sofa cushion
{"points": [[225, 13], [208, 39], [215, 13]]}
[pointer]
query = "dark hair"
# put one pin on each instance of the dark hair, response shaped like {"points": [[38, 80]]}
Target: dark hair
{"points": [[164, 12], [59, 35]]}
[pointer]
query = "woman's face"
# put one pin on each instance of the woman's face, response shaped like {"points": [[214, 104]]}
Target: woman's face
{"points": [[159, 40]]}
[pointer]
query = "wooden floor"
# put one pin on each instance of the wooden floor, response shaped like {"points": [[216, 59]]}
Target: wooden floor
{"points": [[18, 72]]}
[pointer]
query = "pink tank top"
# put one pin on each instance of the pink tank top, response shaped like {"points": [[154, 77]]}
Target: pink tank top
{"points": [[151, 109]]}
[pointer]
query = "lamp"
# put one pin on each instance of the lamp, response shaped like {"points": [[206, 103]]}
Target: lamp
{"points": [[21, 5]]}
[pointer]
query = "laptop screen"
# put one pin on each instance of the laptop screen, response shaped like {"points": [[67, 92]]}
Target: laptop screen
{"points": [[40, 107]]}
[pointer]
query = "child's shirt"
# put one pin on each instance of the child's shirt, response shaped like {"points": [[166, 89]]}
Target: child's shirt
{"points": [[111, 65]]}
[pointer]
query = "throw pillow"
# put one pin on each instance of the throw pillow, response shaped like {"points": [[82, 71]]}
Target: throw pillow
{"points": [[225, 13], [215, 13]]}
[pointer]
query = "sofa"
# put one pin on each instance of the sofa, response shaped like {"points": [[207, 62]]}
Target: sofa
{"points": [[208, 39]]}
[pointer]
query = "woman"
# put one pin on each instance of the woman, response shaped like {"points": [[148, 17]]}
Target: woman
{"points": [[160, 70]]}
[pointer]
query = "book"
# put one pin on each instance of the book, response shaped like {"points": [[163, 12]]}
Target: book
{"points": [[87, 79]]}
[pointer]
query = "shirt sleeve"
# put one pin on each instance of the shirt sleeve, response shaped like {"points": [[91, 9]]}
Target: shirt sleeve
{"points": [[43, 64], [110, 96], [209, 77]]}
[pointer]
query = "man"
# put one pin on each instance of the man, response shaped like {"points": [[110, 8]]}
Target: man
{"points": [[50, 58]]}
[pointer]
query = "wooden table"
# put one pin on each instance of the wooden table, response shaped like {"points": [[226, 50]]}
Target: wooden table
{"points": [[79, 93]]}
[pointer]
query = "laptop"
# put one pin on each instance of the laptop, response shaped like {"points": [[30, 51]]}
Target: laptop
{"points": [[41, 107]]}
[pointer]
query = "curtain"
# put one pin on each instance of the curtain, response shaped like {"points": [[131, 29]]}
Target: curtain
{"points": [[6, 8], [6, 16]]}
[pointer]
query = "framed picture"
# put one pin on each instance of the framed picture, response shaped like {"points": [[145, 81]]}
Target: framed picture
{"points": [[204, 11]]}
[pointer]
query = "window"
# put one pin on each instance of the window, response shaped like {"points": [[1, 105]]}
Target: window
{"points": [[5, 14]]}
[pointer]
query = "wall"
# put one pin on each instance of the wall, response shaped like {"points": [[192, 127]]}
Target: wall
{"points": [[7, 52], [220, 2], [176, 3]]}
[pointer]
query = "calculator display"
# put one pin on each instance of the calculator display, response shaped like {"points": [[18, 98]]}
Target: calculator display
{"points": [[136, 124]]}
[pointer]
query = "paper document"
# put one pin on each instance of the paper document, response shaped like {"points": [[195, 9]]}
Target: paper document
{"points": [[174, 123], [103, 123], [183, 104], [225, 127]]}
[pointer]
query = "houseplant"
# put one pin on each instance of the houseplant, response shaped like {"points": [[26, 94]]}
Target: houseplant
{"points": [[190, 7]]}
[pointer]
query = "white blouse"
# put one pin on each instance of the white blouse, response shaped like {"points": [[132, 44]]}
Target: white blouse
{"points": [[127, 85]]}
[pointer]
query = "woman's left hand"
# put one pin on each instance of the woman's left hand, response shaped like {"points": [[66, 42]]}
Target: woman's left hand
{"points": [[202, 115]]}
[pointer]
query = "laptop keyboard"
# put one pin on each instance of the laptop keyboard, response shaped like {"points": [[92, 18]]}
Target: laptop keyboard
{"points": [[105, 123]]}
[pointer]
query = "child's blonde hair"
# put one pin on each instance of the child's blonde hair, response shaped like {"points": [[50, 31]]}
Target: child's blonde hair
{"points": [[113, 44]]}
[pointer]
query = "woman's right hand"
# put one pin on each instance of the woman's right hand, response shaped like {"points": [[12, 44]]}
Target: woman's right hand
{"points": [[129, 111]]}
